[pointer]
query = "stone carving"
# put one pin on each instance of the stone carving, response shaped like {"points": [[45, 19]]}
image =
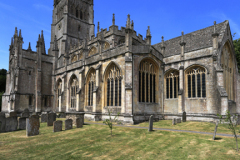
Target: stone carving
{"points": [[44, 118], [184, 117], [51, 117], [32, 125], [57, 126], [68, 124], [215, 131], [79, 122], [11, 124], [150, 123], [22, 123]]}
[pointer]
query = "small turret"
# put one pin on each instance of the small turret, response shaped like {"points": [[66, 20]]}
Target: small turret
{"points": [[98, 27], [163, 46], [16, 33], [128, 22], [29, 47], [182, 43], [43, 43], [215, 36], [132, 25]]}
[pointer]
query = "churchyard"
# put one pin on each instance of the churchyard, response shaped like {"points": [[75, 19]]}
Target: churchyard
{"points": [[93, 141]]}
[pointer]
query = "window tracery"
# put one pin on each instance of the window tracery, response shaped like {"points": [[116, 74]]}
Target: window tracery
{"points": [[59, 92], [172, 84], [91, 86], [114, 84], [73, 91], [147, 82], [74, 58], [196, 82]]}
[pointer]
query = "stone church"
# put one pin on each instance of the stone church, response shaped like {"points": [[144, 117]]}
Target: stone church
{"points": [[121, 71]]}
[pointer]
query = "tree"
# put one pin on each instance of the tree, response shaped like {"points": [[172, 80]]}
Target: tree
{"points": [[236, 44], [110, 121], [229, 119]]}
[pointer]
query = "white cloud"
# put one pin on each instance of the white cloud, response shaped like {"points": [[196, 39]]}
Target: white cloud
{"points": [[42, 7]]}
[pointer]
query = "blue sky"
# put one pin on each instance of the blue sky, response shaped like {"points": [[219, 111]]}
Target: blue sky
{"points": [[165, 17]]}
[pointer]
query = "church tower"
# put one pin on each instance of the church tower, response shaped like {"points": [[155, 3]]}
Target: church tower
{"points": [[72, 23]]}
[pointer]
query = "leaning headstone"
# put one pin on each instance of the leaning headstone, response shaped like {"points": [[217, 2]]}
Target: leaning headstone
{"points": [[178, 120], [32, 125], [22, 123], [184, 117], [51, 117], [3, 122], [68, 124], [44, 118], [11, 124], [150, 123], [57, 126], [79, 122], [174, 121], [215, 131]]}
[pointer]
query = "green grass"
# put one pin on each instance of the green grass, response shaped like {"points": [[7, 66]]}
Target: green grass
{"points": [[95, 142], [189, 125]]}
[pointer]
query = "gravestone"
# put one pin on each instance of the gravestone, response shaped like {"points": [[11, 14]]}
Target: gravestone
{"points": [[174, 121], [22, 123], [44, 118], [178, 120], [57, 126], [3, 122], [215, 131], [32, 125], [25, 113], [184, 117], [51, 117], [150, 123], [0, 126], [68, 124], [79, 122], [11, 124]]}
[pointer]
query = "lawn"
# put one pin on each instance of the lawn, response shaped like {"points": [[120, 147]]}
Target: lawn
{"points": [[94, 142]]}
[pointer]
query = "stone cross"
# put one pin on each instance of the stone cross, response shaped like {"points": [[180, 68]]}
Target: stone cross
{"points": [[184, 117], [150, 123], [215, 131]]}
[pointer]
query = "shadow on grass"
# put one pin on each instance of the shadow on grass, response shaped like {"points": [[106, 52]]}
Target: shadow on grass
{"points": [[218, 138]]}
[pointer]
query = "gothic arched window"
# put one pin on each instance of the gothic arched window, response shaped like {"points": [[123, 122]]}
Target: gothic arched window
{"points": [[77, 13], [196, 82], [81, 15], [73, 91], [59, 92], [227, 64], [114, 84], [172, 84], [147, 82], [90, 88]]}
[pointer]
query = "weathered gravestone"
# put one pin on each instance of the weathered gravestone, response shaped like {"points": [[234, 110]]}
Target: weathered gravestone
{"points": [[25, 113], [79, 122], [51, 117], [57, 126], [215, 131], [22, 123], [44, 118], [32, 125], [3, 122], [184, 117], [11, 124], [150, 123], [68, 124], [178, 120], [174, 121]]}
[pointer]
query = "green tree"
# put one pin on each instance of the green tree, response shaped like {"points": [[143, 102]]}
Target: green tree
{"points": [[229, 120], [110, 121], [236, 44]]}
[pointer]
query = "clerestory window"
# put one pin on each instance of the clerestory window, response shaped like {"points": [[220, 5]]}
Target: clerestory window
{"points": [[172, 84]]}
